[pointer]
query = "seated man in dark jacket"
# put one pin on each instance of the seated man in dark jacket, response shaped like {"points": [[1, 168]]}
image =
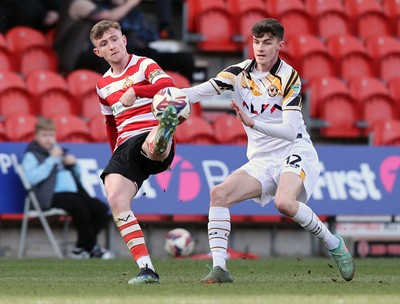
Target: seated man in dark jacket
{"points": [[54, 175]]}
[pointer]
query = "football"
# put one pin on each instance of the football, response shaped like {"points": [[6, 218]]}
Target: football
{"points": [[174, 96], [179, 243]]}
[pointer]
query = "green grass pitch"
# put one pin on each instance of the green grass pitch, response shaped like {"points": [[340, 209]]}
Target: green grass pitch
{"points": [[272, 280]]}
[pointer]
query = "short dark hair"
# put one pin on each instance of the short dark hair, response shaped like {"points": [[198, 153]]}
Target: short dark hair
{"points": [[101, 27], [268, 26]]}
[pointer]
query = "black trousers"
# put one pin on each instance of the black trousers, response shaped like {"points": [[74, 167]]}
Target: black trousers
{"points": [[89, 216]]}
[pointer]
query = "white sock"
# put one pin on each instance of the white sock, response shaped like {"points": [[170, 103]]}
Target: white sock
{"points": [[219, 228], [145, 260], [310, 222]]}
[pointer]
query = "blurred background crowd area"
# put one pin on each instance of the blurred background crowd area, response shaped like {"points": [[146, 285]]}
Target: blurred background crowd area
{"points": [[347, 53]]}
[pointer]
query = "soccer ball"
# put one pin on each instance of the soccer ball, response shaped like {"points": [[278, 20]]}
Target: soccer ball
{"points": [[174, 96], [179, 242]]}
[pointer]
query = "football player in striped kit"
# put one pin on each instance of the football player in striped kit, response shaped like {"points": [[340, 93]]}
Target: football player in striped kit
{"points": [[141, 144], [283, 164]]}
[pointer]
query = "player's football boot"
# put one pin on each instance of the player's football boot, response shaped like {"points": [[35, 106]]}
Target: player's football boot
{"points": [[166, 129], [344, 260], [217, 275], [145, 276]]}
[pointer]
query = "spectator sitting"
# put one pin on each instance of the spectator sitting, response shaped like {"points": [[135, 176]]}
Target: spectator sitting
{"points": [[55, 176]]}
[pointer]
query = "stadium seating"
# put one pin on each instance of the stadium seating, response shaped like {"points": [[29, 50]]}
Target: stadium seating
{"points": [[195, 130], [71, 128], [310, 57], [39, 57], [89, 105], [373, 100], [6, 62], [293, 16], [386, 53], [180, 80], [215, 27], [15, 100], [393, 86], [98, 128], [329, 17], [82, 81], [245, 14], [368, 18], [229, 130], [351, 56], [392, 10], [20, 127], [385, 132], [3, 134]]}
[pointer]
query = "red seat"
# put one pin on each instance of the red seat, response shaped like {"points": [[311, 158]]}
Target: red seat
{"points": [[373, 99], [71, 128], [20, 38], [351, 56], [216, 27], [90, 106], [392, 10], [394, 89], [82, 81], [37, 58], [246, 13], [229, 130], [312, 57], [292, 15], [195, 130], [20, 127], [10, 79], [386, 53], [340, 115], [98, 128], [322, 88], [329, 17], [385, 132], [368, 18], [6, 62], [55, 102], [15, 100]]}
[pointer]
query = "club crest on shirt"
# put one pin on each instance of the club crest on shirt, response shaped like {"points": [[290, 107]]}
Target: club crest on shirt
{"points": [[128, 83], [272, 91]]}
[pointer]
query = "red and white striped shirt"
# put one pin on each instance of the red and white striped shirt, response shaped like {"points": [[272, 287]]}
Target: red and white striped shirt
{"points": [[146, 77]]}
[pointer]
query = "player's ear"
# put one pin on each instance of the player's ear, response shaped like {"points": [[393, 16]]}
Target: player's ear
{"points": [[97, 52], [281, 44]]}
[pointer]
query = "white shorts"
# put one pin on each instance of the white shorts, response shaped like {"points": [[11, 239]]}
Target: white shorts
{"points": [[300, 158]]}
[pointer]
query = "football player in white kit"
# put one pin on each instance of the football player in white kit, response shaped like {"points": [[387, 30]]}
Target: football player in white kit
{"points": [[283, 164]]}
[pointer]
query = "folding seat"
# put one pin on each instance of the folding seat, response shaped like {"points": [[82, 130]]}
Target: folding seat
{"points": [[10, 79], [50, 92], [180, 80], [215, 27], [20, 38], [293, 16], [229, 130], [373, 100], [82, 81], [385, 50], [321, 88], [340, 115], [20, 127], [392, 10], [6, 62], [97, 128], [89, 105], [312, 58], [393, 86], [385, 132], [71, 128], [329, 17], [351, 56], [368, 18], [37, 58], [246, 14], [195, 130]]}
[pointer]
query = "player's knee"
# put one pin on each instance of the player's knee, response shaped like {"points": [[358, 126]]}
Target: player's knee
{"points": [[218, 196], [115, 200], [285, 205]]}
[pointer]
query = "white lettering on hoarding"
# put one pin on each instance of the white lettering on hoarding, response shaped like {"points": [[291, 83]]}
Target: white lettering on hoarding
{"points": [[213, 179], [340, 185], [5, 163]]}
